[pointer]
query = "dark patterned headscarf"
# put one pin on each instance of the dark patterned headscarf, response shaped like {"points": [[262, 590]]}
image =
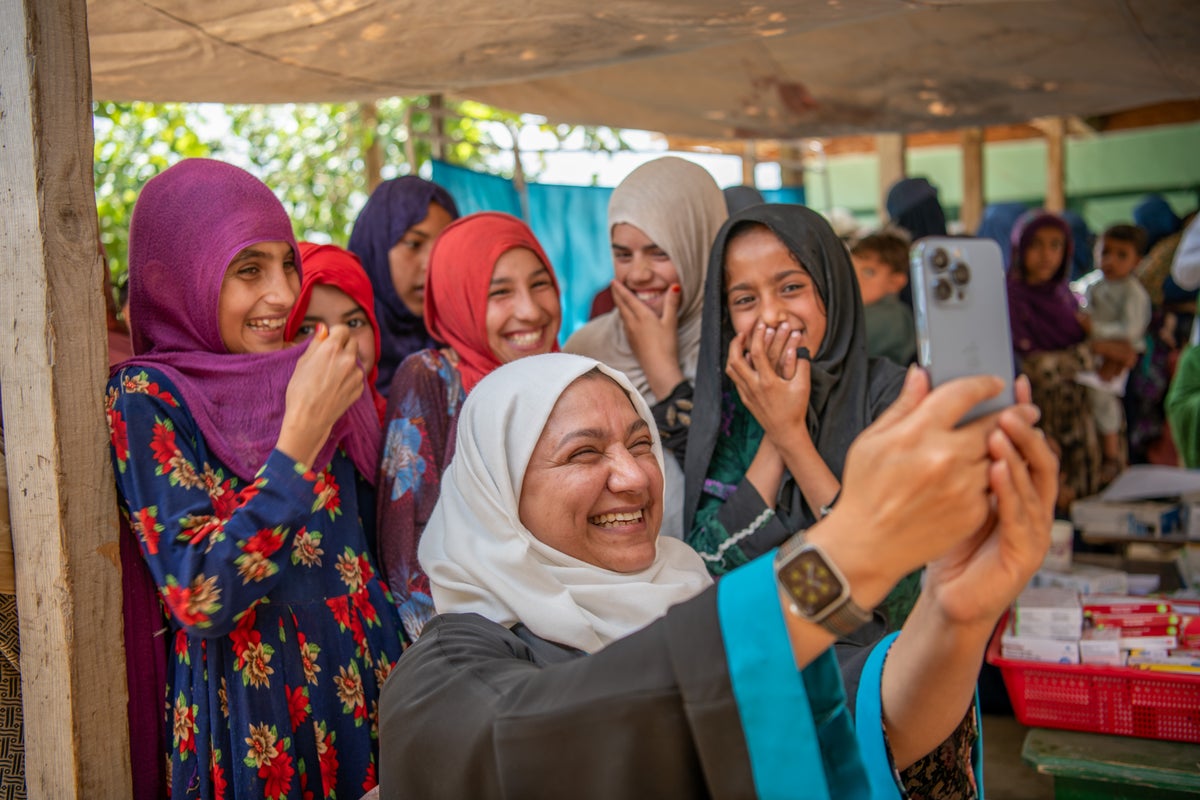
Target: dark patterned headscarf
{"points": [[393, 208]]}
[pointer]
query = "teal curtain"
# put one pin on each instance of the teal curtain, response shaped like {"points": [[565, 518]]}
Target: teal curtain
{"points": [[570, 221]]}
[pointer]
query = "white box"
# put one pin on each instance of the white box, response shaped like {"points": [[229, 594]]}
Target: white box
{"points": [[1027, 648], [1048, 613], [1150, 519], [1085, 579], [1101, 647]]}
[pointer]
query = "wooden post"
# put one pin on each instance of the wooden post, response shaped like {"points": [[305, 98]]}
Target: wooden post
{"points": [[53, 366], [890, 148], [791, 164], [971, 211], [437, 127], [372, 151], [1056, 196], [749, 162]]}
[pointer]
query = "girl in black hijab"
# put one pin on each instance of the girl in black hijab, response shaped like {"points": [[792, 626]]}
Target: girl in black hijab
{"points": [[783, 386]]}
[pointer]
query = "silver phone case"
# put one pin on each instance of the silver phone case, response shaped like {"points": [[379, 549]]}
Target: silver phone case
{"points": [[967, 332]]}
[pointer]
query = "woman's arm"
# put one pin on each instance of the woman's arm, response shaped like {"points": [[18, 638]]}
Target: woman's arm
{"points": [[214, 549], [735, 521], [774, 384], [930, 675]]}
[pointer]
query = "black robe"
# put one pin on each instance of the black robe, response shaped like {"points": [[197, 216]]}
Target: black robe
{"points": [[477, 711]]}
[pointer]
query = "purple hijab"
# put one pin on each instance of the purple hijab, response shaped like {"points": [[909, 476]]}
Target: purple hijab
{"points": [[1042, 316], [393, 208], [188, 224]]}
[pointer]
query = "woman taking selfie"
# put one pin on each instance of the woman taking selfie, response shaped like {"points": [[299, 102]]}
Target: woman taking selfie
{"points": [[569, 628]]}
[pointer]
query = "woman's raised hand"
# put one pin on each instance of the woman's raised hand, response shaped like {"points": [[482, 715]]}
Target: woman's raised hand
{"points": [[654, 339], [914, 485], [979, 578], [773, 382], [326, 382]]}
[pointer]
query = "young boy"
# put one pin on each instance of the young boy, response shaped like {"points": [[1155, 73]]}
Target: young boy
{"points": [[881, 263], [1117, 307]]}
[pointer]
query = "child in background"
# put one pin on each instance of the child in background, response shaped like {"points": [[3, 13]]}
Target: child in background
{"points": [[881, 264], [1117, 307], [337, 291]]}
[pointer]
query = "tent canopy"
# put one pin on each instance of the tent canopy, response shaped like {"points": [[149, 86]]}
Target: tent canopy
{"points": [[710, 68]]}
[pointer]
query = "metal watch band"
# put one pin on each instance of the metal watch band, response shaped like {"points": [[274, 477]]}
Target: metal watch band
{"points": [[846, 618]]}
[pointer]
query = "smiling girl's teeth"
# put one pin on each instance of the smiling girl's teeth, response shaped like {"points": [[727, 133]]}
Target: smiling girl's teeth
{"points": [[648, 297], [612, 520], [524, 339], [266, 324]]}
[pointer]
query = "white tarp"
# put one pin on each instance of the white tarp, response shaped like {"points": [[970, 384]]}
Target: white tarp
{"points": [[757, 69]]}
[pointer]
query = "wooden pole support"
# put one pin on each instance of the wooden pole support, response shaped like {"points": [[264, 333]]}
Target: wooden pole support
{"points": [[1056, 196], [53, 366], [971, 211], [890, 148]]}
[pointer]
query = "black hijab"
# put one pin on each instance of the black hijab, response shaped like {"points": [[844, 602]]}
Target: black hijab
{"points": [[848, 389]]}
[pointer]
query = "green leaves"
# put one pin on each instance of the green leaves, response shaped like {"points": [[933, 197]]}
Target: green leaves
{"points": [[315, 157]]}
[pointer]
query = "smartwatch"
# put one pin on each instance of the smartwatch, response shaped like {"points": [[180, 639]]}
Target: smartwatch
{"points": [[816, 589]]}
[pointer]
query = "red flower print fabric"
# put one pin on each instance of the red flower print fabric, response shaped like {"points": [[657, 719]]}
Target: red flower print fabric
{"points": [[281, 630]]}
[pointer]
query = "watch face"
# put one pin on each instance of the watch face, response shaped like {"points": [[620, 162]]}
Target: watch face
{"points": [[810, 583]]}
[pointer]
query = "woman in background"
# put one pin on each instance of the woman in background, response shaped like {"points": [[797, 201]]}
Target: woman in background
{"points": [[492, 298], [393, 236]]}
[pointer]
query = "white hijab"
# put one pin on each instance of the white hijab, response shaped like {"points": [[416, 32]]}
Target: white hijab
{"points": [[479, 556], [678, 205]]}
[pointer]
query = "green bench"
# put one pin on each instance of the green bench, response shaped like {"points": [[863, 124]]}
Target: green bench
{"points": [[1088, 766]]}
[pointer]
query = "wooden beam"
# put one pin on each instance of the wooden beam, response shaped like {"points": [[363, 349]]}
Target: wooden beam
{"points": [[890, 147], [53, 366], [971, 211], [372, 148], [437, 128], [749, 162], [791, 164], [1055, 130]]}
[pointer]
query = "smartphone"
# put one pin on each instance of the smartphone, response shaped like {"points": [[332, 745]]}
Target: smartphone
{"points": [[960, 306]]}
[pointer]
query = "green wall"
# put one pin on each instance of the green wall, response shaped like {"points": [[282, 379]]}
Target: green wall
{"points": [[1106, 174]]}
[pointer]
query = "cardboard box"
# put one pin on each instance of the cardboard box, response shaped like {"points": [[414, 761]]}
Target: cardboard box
{"points": [[1148, 642], [1123, 604], [1048, 613], [1029, 648], [1102, 647], [1149, 519], [1085, 579]]}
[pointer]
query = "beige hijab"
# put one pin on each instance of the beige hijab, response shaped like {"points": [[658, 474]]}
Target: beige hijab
{"points": [[678, 205], [480, 557]]}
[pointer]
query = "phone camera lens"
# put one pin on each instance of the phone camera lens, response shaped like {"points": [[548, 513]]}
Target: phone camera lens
{"points": [[942, 290], [960, 274], [940, 259]]}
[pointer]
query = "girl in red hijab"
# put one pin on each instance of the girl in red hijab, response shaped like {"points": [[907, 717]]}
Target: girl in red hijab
{"points": [[491, 296], [336, 291]]}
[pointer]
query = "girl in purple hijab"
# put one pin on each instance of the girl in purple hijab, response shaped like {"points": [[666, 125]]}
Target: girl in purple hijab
{"points": [[1041, 307], [1051, 349], [393, 236], [243, 470]]}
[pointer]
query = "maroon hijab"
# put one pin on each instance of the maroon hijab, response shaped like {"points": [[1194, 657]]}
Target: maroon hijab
{"points": [[188, 224], [1042, 315]]}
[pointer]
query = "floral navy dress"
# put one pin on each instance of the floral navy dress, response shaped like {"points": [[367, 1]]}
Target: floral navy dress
{"points": [[281, 631]]}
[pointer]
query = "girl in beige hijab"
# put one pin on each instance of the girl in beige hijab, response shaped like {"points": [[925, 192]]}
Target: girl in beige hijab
{"points": [[662, 221]]}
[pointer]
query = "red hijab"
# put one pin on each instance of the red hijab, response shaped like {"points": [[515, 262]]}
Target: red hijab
{"points": [[330, 265], [458, 279]]}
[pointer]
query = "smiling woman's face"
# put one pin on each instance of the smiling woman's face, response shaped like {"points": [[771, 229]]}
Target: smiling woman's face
{"points": [[593, 488], [257, 294]]}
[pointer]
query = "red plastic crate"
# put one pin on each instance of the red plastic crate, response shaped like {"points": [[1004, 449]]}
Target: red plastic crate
{"points": [[1083, 697]]}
